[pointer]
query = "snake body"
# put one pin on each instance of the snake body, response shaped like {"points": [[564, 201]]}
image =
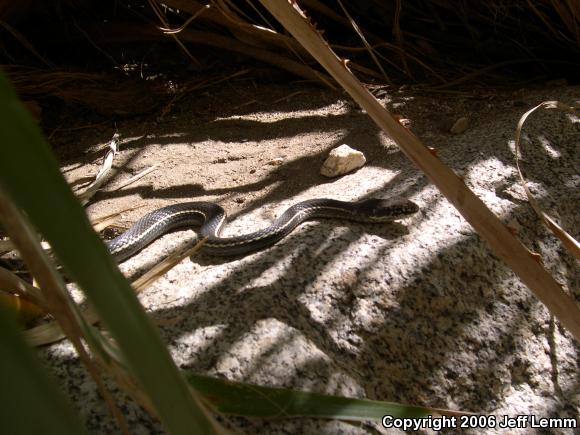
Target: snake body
{"points": [[211, 217]]}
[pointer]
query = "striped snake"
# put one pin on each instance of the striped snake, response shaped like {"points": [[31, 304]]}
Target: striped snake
{"points": [[212, 217]]}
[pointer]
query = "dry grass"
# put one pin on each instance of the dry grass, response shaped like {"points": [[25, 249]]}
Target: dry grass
{"points": [[569, 242], [106, 93], [434, 42]]}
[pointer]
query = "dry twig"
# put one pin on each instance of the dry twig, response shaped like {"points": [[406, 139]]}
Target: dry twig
{"points": [[103, 173]]}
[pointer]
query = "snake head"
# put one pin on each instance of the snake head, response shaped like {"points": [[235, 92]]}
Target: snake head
{"points": [[387, 209]]}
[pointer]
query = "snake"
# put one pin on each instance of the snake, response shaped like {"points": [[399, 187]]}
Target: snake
{"points": [[211, 218]]}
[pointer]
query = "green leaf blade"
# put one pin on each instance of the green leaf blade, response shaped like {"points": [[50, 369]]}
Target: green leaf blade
{"points": [[56, 213]]}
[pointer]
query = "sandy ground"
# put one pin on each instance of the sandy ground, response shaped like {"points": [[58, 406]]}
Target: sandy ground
{"points": [[417, 312]]}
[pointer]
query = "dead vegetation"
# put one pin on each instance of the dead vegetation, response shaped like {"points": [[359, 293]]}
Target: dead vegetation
{"points": [[110, 55]]}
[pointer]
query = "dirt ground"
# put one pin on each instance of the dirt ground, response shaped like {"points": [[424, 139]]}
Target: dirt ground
{"points": [[222, 146], [419, 313]]}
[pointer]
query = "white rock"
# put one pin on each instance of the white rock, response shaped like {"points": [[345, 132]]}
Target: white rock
{"points": [[342, 160]]}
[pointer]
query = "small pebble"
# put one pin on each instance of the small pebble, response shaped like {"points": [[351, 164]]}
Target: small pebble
{"points": [[460, 125], [276, 162]]}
